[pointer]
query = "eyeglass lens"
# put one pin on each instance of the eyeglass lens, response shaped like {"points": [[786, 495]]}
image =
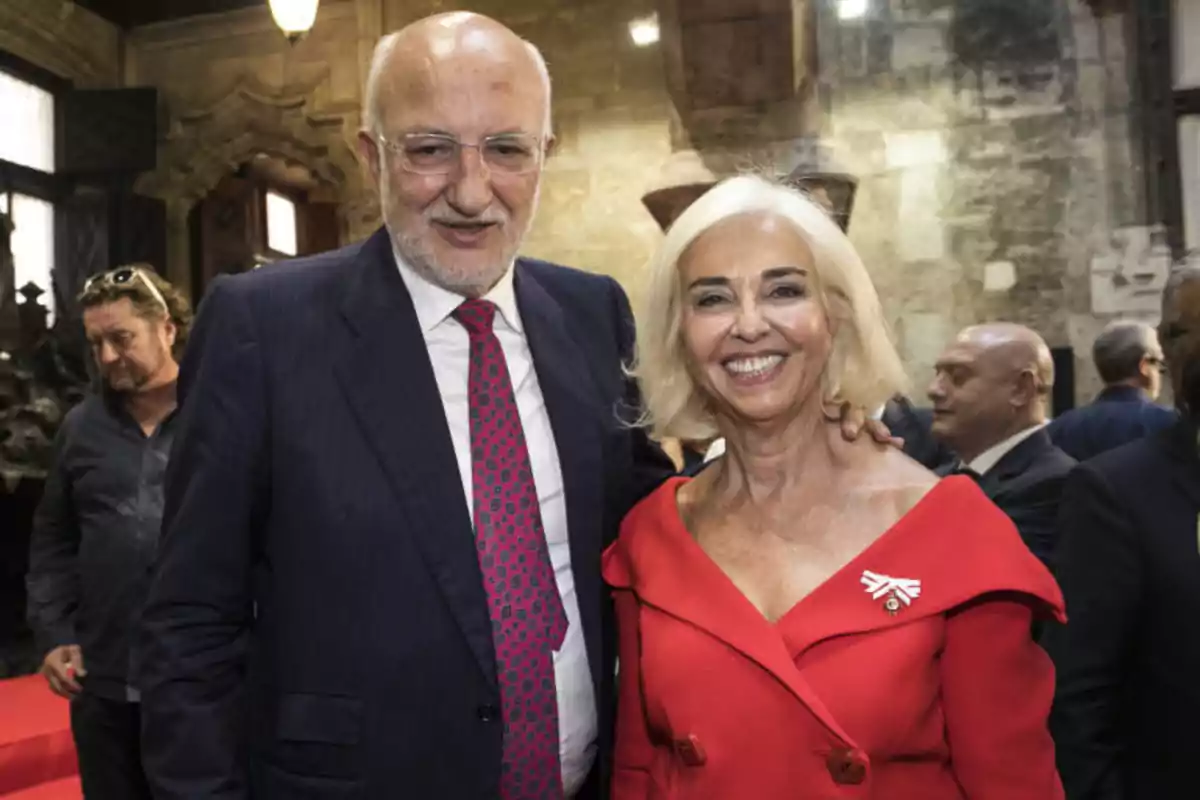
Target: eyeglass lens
{"points": [[432, 154]]}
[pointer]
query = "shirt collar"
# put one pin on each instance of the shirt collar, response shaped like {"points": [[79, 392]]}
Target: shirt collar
{"points": [[991, 457], [434, 304]]}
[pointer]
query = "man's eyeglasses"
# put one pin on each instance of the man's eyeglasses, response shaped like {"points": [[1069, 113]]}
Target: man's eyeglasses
{"points": [[440, 154], [123, 276]]}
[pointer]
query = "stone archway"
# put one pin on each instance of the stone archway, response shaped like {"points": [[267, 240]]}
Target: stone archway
{"points": [[205, 143]]}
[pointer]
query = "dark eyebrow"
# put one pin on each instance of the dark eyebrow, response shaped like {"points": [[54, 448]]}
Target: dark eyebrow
{"points": [[767, 274], [708, 282], [784, 272]]}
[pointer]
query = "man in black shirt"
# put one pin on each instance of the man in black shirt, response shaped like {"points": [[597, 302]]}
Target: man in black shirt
{"points": [[95, 532]]}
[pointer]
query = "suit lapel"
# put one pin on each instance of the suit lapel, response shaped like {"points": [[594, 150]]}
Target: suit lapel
{"points": [[1014, 462], [384, 371], [570, 394]]}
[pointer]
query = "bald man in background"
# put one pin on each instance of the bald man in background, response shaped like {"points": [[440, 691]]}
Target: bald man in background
{"points": [[990, 395], [396, 467]]}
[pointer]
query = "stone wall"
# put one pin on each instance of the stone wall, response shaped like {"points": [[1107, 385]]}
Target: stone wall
{"points": [[232, 86], [63, 38], [997, 157], [997, 160], [612, 116]]}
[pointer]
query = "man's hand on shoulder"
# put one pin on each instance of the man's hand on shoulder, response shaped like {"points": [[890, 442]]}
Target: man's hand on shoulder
{"points": [[855, 420]]}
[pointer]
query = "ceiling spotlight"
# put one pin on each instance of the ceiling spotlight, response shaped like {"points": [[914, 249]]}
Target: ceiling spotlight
{"points": [[853, 9], [644, 31]]}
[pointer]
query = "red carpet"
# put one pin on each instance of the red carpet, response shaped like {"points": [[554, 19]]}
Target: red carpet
{"points": [[62, 789], [37, 756]]}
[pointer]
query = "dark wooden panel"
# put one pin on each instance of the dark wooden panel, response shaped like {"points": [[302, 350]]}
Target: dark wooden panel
{"points": [[227, 238], [738, 63], [318, 227], [1062, 398], [691, 11], [108, 130], [138, 230], [128, 13], [82, 246]]}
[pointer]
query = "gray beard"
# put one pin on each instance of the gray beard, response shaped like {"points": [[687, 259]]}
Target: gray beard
{"points": [[472, 284]]}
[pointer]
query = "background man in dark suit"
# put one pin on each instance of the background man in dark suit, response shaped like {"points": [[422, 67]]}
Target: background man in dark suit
{"points": [[990, 394], [396, 467], [1130, 361], [1124, 718]]}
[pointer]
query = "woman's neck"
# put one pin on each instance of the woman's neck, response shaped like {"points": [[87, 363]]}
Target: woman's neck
{"points": [[764, 463]]}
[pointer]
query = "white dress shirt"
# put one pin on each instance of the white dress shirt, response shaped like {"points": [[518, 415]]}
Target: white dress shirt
{"points": [[989, 458], [449, 351]]}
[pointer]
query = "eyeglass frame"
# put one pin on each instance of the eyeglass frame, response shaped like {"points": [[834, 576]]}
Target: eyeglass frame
{"points": [[113, 278], [396, 147]]}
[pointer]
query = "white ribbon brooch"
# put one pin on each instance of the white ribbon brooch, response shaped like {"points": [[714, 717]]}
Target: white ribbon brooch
{"points": [[896, 590]]}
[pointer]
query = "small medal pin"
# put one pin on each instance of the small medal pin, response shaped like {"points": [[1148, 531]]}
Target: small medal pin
{"points": [[891, 604], [897, 592]]}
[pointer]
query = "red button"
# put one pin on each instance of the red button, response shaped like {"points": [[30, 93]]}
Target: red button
{"points": [[690, 750], [846, 768]]}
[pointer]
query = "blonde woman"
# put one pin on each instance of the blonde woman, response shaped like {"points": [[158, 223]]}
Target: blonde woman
{"points": [[810, 616]]}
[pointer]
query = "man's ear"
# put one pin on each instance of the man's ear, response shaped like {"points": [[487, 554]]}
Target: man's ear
{"points": [[368, 151], [1025, 389], [1145, 368], [551, 145], [170, 331]]}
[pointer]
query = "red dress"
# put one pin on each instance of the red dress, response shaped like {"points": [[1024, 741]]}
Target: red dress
{"points": [[872, 686]]}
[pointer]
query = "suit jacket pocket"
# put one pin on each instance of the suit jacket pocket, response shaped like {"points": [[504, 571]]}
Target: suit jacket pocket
{"points": [[276, 783], [317, 736], [322, 718]]}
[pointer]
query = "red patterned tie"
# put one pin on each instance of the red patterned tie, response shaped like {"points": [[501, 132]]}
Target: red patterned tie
{"points": [[528, 619]]}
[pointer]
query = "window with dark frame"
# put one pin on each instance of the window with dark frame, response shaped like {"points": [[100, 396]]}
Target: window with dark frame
{"points": [[280, 219], [28, 160], [1186, 96]]}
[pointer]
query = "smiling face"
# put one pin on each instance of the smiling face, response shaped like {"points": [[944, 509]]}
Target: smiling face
{"points": [[755, 334], [466, 81]]}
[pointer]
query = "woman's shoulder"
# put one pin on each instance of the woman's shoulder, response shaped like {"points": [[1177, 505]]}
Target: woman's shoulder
{"points": [[966, 547], [645, 532], [894, 480]]}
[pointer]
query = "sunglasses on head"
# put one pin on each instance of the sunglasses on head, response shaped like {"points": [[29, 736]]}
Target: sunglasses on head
{"points": [[122, 276]]}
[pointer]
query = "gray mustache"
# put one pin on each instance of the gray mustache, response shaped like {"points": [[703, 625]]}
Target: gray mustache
{"points": [[469, 220]]}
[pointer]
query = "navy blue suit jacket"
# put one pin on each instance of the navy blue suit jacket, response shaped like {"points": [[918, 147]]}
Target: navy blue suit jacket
{"points": [[317, 625], [1124, 718], [1027, 485], [1119, 415]]}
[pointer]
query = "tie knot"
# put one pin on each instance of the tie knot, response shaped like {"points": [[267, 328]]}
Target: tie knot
{"points": [[476, 316]]}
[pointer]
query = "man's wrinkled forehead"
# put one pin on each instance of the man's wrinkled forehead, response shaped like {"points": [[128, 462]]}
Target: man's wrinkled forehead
{"points": [[454, 78], [960, 353]]}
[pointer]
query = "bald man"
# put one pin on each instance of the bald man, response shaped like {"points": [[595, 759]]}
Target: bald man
{"points": [[990, 395], [396, 467]]}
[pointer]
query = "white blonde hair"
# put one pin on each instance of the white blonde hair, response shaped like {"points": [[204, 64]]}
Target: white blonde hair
{"points": [[863, 369], [379, 60]]}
